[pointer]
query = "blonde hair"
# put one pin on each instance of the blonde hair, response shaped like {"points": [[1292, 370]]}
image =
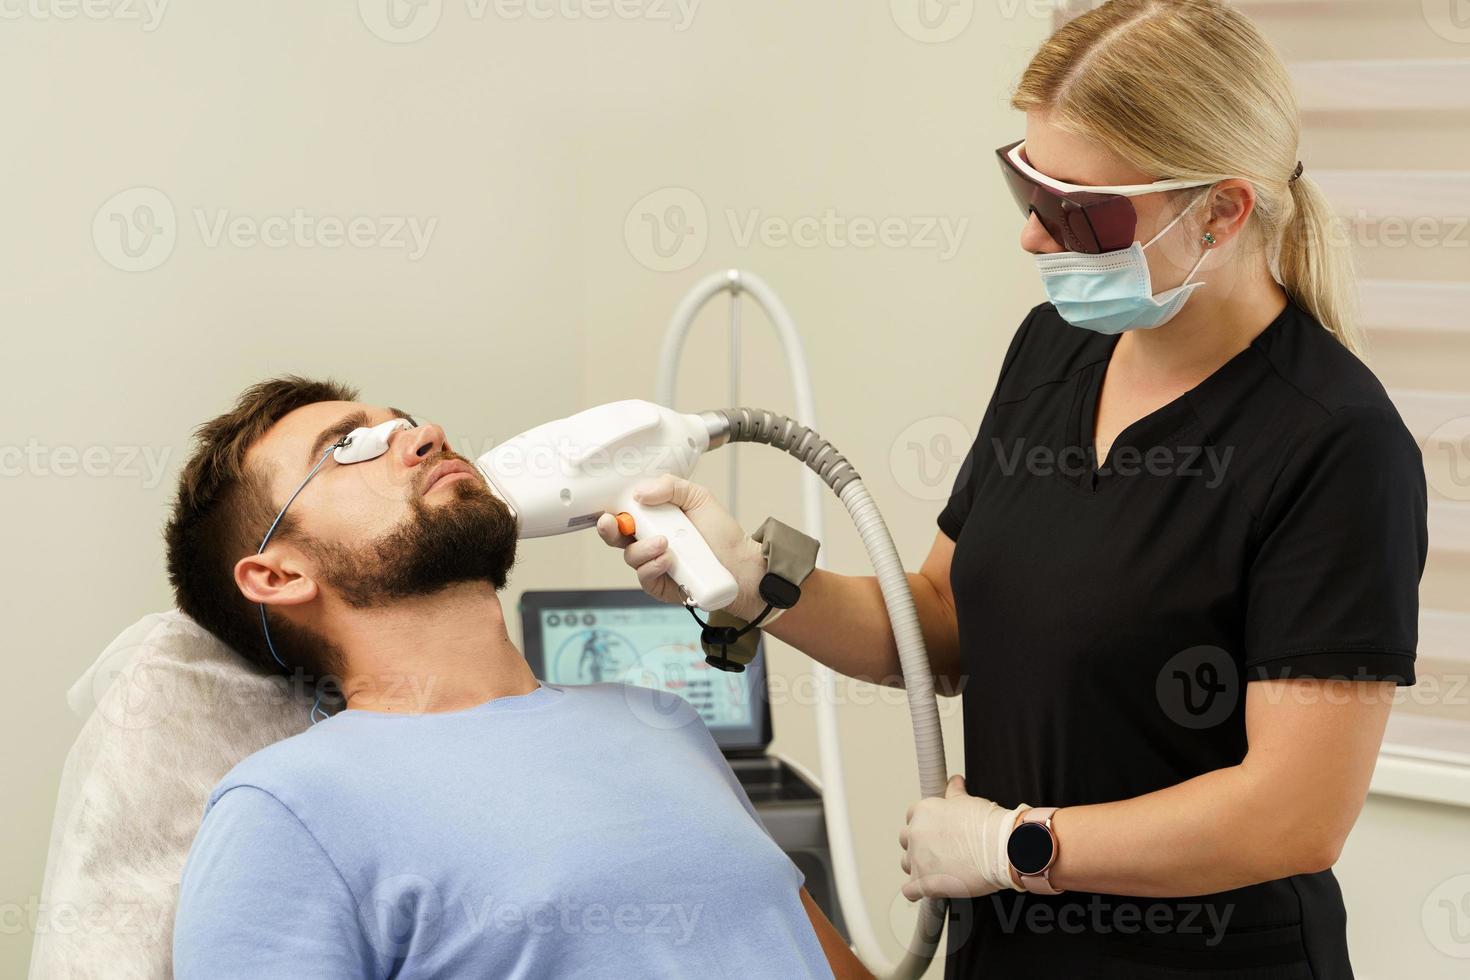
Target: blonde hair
{"points": [[1190, 88]]}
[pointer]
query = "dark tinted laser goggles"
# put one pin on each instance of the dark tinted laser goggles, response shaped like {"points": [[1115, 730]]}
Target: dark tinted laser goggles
{"points": [[1079, 217]]}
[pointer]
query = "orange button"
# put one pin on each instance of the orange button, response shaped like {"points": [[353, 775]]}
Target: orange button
{"points": [[626, 524]]}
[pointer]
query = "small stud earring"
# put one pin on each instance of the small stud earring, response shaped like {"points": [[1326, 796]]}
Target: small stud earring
{"points": [[1209, 239]]}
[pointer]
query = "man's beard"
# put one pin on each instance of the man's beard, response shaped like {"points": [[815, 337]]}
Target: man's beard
{"points": [[471, 538]]}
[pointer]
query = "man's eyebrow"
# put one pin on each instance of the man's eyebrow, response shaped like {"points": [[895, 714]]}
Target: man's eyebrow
{"points": [[344, 425], [352, 420]]}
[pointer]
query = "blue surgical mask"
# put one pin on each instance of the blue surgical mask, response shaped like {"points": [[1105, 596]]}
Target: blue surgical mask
{"points": [[1111, 292]]}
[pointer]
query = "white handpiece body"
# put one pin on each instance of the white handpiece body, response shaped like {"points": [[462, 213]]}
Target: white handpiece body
{"points": [[694, 566], [563, 475]]}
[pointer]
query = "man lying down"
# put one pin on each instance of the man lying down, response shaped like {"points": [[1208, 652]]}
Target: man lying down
{"points": [[456, 818]]}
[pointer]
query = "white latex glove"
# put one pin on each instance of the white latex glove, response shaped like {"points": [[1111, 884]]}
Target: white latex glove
{"points": [[955, 845], [732, 547]]}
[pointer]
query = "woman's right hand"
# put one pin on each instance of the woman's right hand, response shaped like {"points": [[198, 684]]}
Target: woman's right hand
{"points": [[732, 547]]}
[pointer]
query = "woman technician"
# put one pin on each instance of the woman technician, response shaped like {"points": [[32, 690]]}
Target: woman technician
{"points": [[1177, 577]]}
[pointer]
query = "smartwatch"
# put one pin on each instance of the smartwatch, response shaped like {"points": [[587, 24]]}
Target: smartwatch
{"points": [[1032, 850]]}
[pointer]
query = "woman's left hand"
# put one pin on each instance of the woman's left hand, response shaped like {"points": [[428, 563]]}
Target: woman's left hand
{"points": [[955, 845]]}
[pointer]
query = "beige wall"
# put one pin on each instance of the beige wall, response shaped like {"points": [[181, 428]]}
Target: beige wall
{"points": [[529, 143]]}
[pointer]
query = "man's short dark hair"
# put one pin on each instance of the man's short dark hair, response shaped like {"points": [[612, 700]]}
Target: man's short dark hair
{"points": [[222, 512]]}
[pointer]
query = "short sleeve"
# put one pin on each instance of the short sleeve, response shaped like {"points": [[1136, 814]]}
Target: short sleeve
{"points": [[952, 518], [1333, 588], [260, 898]]}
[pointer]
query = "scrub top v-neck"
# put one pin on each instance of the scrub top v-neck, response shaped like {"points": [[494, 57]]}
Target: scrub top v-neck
{"points": [[1268, 523]]}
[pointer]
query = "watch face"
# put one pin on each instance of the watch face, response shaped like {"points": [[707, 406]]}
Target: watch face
{"points": [[1029, 848]]}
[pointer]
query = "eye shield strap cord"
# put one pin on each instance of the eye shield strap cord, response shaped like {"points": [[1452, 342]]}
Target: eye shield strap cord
{"points": [[316, 708]]}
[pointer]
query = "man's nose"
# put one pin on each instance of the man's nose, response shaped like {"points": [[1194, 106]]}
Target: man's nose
{"points": [[415, 445], [1034, 237]]}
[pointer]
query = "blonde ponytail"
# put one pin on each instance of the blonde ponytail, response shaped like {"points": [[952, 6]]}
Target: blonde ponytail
{"points": [[1315, 264], [1191, 89]]}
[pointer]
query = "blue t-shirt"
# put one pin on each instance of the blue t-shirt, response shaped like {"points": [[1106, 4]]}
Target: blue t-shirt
{"points": [[570, 832]]}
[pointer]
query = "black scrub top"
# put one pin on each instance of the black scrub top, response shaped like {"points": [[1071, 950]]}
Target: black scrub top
{"points": [[1268, 523]]}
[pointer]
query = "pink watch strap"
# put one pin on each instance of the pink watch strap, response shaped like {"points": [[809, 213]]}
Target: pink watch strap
{"points": [[1040, 883]]}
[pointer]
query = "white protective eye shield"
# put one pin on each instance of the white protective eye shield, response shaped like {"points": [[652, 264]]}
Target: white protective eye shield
{"points": [[363, 444]]}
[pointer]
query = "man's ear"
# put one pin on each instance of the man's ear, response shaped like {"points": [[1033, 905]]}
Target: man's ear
{"points": [[275, 578]]}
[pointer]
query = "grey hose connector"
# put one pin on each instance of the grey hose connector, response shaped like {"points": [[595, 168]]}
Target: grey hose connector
{"points": [[758, 425]]}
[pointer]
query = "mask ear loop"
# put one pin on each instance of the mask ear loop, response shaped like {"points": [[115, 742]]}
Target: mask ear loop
{"points": [[1178, 218]]}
